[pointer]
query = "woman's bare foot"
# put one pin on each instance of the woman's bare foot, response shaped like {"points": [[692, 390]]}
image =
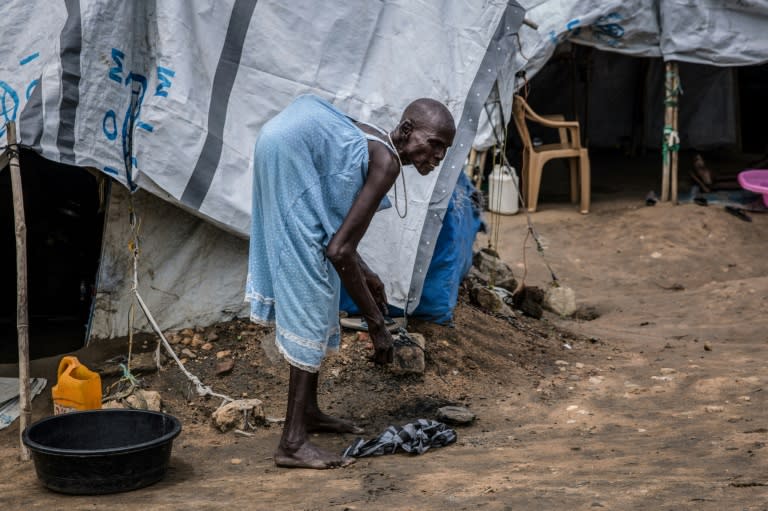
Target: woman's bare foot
{"points": [[309, 455], [318, 422]]}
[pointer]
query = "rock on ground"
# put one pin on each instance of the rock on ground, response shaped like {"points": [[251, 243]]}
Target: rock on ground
{"points": [[560, 300], [239, 414], [139, 400], [489, 300], [455, 415], [489, 264]]}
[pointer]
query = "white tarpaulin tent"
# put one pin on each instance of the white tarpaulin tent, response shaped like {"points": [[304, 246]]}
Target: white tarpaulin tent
{"points": [[168, 97], [713, 32]]}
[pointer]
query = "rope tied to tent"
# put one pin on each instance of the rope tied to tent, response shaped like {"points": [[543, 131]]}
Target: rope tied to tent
{"points": [[125, 386], [670, 142], [201, 389], [540, 249], [672, 89], [500, 158], [11, 150], [133, 247]]}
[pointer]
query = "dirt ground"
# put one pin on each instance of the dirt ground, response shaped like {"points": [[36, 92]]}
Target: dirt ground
{"points": [[659, 402]]}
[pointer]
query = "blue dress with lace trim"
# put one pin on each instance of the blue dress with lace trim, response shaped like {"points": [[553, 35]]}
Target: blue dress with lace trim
{"points": [[310, 162]]}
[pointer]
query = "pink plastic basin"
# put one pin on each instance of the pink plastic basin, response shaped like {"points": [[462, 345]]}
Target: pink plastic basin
{"points": [[755, 181]]}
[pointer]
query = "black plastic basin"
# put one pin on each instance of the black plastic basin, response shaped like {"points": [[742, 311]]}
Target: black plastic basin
{"points": [[101, 451]]}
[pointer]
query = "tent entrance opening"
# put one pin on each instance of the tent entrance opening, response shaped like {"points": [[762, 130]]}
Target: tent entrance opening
{"points": [[64, 221]]}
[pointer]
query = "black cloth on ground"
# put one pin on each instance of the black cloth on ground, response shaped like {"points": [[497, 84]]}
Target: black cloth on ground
{"points": [[415, 438]]}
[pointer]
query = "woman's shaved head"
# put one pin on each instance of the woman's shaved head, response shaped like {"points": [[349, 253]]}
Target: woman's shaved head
{"points": [[429, 112], [425, 133]]}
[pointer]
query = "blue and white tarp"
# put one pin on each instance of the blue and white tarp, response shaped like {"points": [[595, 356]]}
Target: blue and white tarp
{"points": [[169, 96], [714, 32], [451, 259]]}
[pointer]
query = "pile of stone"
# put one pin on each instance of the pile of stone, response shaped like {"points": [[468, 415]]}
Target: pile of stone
{"points": [[493, 287], [195, 343], [138, 399]]}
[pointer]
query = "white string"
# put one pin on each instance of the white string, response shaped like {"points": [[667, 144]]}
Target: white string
{"points": [[405, 191], [202, 389]]}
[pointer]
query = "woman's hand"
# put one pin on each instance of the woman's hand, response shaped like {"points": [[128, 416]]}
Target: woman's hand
{"points": [[383, 344], [376, 287]]}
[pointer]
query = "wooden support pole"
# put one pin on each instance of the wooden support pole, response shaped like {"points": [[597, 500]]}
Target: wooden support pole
{"points": [[470, 170], [22, 323], [674, 150], [666, 160]]}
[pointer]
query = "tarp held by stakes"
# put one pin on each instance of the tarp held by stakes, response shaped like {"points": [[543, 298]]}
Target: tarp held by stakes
{"points": [[169, 96]]}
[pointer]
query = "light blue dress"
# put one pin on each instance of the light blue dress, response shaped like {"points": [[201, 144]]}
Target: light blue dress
{"points": [[310, 162]]}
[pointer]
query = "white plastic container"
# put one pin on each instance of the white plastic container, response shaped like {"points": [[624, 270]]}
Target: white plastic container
{"points": [[502, 190]]}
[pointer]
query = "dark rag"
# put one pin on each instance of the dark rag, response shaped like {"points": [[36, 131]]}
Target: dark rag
{"points": [[415, 438]]}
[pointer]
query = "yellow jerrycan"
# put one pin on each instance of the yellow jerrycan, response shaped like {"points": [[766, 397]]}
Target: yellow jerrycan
{"points": [[77, 388]]}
